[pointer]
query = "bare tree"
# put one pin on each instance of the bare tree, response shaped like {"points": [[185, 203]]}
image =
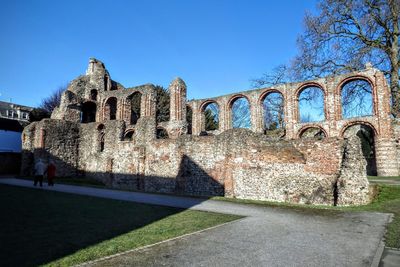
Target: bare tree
{"points": [[278, 75], [273, 111], [53, 100], [348, 33], [311, 104], [344, 36], [241, 113], [356, 99], [37, 114]]}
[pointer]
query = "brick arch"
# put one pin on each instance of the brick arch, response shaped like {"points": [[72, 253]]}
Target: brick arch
{"points": [[309, 84], [106, 110], [202, 108], [228, 108], [358, 122], [234, 97], [298, 92], [127, 107], [338, 92], [205, 103], [260, 105], [89, 112], [133, 92], [268, 91], [129, 134], [308, 126], [129, 131]]}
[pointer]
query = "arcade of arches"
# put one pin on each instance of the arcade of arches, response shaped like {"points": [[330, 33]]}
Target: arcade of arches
{"points": [[298, 142]]}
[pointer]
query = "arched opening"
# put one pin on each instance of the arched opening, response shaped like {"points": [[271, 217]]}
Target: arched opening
{"points": [[366, 137], [163, 104], [273, 114], [162, 133], [111, 108], [356, 99], [313, 133], [101, 137], [134, 101], [210, 116], [240, 113], [189, 119], [93, 95], [88, 113], [128, 136], [311, 104]]}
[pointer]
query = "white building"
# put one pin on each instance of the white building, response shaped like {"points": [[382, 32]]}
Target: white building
{"points": [[13, 119]]}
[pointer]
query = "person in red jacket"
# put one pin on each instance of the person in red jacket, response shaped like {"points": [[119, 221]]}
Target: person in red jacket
{"points": [[51, 173]]}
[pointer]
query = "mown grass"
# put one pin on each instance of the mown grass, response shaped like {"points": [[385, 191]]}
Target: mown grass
{"points": [[387, 201], [394, 178], [41, 227]]}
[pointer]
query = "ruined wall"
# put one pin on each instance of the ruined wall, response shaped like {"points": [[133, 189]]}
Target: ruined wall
{"points": [[334, 125], [54, 140], [352, 185], [96, 132], [285, 171], [237, 163]]}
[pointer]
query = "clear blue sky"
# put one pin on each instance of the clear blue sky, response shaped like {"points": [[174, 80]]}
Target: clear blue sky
{"points": [[216, 46]]}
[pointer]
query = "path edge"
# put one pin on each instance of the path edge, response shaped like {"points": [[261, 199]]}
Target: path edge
{"points": [[158, 243]]}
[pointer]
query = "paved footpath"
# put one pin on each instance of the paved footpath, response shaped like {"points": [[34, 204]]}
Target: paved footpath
{"points": [[266, 237]]}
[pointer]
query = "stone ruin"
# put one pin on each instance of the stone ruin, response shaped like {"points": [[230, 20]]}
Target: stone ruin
{"points": [[96, 133]]}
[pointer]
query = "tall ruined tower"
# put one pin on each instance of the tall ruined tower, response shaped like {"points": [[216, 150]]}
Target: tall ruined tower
{"points": [[99, 75], [177, 90]]}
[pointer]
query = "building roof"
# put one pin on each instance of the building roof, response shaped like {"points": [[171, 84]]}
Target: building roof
{"points": [[8, 105]]}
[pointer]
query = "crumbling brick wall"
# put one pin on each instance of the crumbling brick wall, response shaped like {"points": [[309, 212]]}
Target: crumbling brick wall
{"points": [[86, 140], [51, 140], [352, 186]]}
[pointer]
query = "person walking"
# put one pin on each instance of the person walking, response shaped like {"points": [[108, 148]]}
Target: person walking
{"points": [[39, 172], [51, 173]]}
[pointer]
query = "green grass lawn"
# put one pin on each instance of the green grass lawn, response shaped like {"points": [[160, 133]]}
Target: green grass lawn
{"points": [[387, 201], [395, 178], [58, 229]]}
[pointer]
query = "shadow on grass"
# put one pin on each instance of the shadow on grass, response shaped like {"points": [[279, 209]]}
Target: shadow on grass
{"points": [[39, 227], [42, 226]]}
